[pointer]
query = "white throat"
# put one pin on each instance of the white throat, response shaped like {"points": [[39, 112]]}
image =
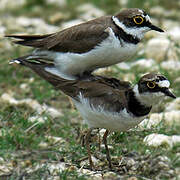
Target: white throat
{"points": [[134, 31], [147, 99]]}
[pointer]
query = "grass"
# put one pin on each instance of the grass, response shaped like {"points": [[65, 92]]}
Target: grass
{"points": [[17, 145]]}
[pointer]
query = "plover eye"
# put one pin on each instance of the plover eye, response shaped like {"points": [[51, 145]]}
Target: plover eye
{"points": [[138, 19], [151, 84]]}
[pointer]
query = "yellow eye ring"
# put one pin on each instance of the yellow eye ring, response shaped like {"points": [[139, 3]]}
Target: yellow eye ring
{"points": [[151, 84], [138, 19]]}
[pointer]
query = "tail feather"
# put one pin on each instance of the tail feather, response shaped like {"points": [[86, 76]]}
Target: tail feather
{"points": [[27, 37], [39, 67], [29, 40]]}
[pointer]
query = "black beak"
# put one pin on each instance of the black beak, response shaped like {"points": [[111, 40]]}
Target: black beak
{"points": [[155, 28], [167, 92]]}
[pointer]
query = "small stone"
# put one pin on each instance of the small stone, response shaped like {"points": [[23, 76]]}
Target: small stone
{"points": [[32, 104], [71, 23], [174, 33], [38, 25], [60, 3], [101, 132], [31, 80], [72, 168], [9, 4], [177, 80], [157, 11], [123, 3], [130, 162], [129, 77], [28, 163], [144, 64], [84, 171], [52, 111], [109, 175], [39, 119], [89, 11], [132, 178], [173, 105], [55, 169], [8, 98], [1, 160], [55, 140], [25, 87], [170, 118], [43, 145], [169, 24], [176, 139], [2, 31], [109, 146], [58, 17], [86, 162], [171, 65], [161, 139], [163, 165], [157, 48], [123, 66]]}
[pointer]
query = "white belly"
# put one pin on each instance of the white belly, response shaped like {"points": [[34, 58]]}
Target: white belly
{"points": [[98, 118], [110, 51]]}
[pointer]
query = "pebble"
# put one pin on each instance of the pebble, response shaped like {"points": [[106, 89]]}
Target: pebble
{"points": [[157, 48], [9, 4], [25, 87], [71, 23], [32, 104], [169, 118], [43, 145], [157, 11], [109, 175], [123, 3], [88, 11], [2, 160], [129, 77], [39, 119], [157, 140], [174, 33], [171, 65], [55, 169], [55, 140], [173, 105], [59, 16], [86, 162], [124, 66], [60, 3], [169, 24], [2, 31], [37, 25], [144, 64]]}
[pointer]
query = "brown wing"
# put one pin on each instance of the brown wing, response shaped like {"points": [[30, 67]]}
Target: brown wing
{"points": [[98, 92], [109, 93], [79, 39]]}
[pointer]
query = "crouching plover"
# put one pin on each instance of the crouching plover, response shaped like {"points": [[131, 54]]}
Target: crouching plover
{"points": [[108, 102]]}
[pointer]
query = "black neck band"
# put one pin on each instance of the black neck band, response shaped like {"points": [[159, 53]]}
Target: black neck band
{"points": [[126, 37], [135, 106]]}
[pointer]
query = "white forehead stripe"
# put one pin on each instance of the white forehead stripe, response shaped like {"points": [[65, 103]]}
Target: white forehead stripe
{"points": [[148, 18], [164, 83], [140, 11]]}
